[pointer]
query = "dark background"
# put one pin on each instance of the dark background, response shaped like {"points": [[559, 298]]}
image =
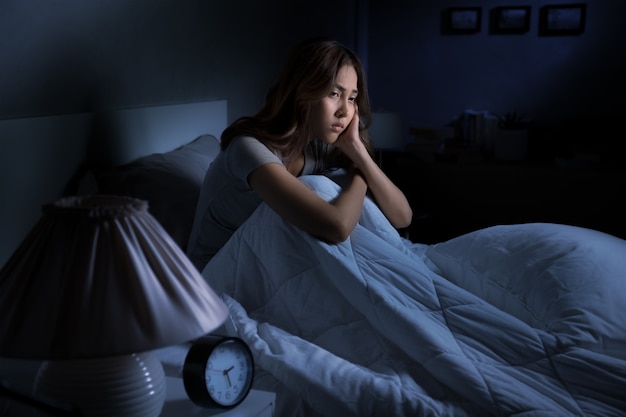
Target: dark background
{"points": [[68, 56], [72, 56]]}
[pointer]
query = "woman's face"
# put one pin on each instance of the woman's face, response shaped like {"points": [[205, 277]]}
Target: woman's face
{"points": [[333, 113]]}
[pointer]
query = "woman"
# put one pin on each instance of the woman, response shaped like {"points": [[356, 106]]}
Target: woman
{"points": [[310, 123]]}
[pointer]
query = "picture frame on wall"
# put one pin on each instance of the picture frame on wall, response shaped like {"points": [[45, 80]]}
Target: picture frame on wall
{"points": [[510, 20], [562, 19], [461, 20]]}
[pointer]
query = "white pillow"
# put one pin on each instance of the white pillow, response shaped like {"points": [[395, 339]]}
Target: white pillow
{"points": [[170, 182]]}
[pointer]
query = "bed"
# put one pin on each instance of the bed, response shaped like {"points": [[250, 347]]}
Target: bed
{"points": [[511, 320], [526, 319]]}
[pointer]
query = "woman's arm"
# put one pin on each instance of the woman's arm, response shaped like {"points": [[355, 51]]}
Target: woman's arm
{"points": [[387, 195], [298, 204], [332, 221]]}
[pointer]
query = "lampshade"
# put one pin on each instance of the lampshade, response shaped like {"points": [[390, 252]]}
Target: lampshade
{"points": [[386, 131], [98, 277]]}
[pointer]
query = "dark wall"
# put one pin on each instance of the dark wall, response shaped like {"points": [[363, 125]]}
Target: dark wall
{"points": [[75, 55], [430, 78], [573, 88], [71, 56]]}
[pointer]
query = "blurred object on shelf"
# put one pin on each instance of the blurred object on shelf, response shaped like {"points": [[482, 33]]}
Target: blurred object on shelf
{"points": [[429, 142]]}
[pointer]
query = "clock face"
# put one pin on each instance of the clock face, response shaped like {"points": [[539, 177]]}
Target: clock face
{"points": [[228, 373]]}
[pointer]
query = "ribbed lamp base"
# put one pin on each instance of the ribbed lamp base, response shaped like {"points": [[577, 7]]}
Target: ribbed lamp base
{"points": [[127, 385]]}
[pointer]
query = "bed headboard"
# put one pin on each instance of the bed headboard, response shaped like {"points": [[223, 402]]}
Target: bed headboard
{"points": [[123, 135], [41, 154]]}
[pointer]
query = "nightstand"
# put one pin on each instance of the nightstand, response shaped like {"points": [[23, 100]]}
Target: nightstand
{"points": [[257, 404], [469, 194]]}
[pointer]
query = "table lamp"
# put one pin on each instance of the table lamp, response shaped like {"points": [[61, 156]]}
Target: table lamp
{"points": [[95, 286]]}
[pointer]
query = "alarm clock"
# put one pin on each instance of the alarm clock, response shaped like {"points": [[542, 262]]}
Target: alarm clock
{"points": [[218, 371]]}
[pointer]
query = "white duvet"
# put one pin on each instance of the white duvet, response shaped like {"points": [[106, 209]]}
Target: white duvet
{"points": [[511, 320]]}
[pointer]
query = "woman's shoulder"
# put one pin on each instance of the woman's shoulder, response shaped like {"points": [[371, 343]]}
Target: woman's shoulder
{"points": [[245, 140], [250, 145], [247, 152]]}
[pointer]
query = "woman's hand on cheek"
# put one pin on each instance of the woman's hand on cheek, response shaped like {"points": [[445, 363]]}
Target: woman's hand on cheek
{"points": [[349, 141]]}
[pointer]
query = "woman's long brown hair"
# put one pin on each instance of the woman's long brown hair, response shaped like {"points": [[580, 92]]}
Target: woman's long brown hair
{"points": [[283, 123]]}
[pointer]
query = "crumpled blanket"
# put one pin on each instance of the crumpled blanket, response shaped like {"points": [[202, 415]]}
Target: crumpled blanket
{"points": [[484, 324]]}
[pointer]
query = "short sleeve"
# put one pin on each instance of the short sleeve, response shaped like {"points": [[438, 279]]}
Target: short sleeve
{"points": [[245, 154]]}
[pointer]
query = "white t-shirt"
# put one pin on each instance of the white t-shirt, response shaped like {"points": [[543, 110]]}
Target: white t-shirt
{"points": [[226, 199]]}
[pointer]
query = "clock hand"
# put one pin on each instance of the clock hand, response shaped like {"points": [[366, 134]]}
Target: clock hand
{"points": [[222, 372], [226, 375]]}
